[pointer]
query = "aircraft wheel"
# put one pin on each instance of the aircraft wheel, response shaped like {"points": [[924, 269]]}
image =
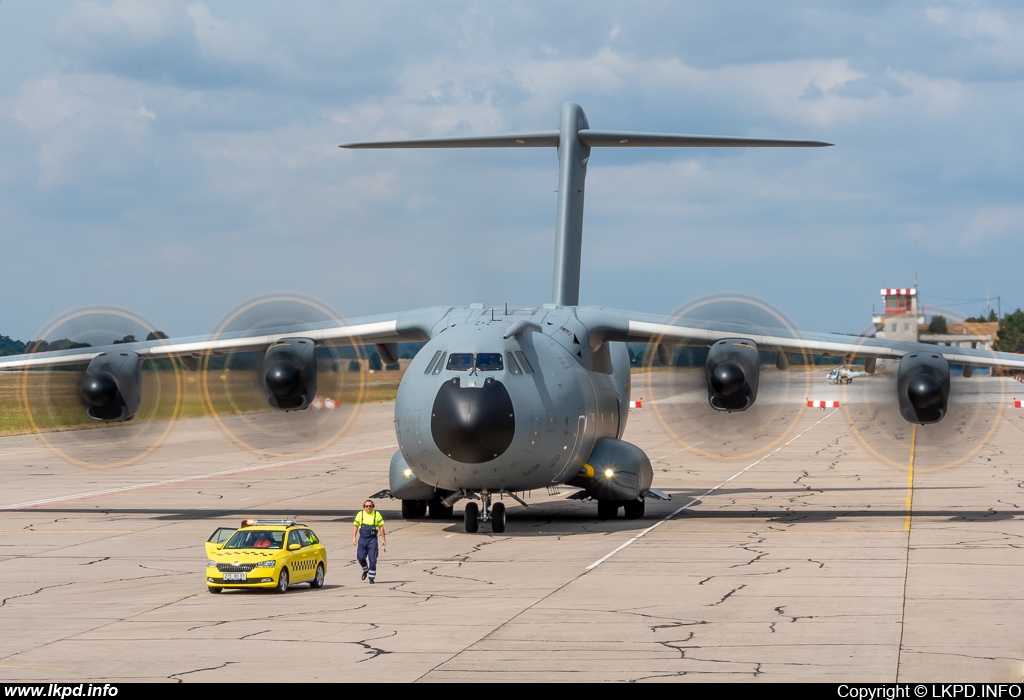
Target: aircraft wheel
{"points": [[633, 509], [607, 510], [438, 510], [413, 509], [498, 518], [472, 517]]}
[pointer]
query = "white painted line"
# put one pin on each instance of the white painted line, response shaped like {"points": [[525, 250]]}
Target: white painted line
{"points": [[698, 499], [184, 479]]}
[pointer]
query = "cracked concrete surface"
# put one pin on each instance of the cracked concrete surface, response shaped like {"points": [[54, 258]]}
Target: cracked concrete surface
{"points": [[800, 569]]}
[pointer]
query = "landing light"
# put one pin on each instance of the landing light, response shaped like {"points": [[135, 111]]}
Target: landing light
{"points": [[609, 473], [407, 472]]}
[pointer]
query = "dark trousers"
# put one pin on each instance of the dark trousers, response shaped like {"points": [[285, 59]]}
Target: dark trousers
{"points": [[366, 555]]}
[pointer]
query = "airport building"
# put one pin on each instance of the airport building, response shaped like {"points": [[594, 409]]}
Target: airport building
{"points": [[902, 319]]}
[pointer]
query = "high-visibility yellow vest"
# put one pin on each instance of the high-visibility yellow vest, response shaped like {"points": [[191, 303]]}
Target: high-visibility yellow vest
{"points": [[375, 519]]}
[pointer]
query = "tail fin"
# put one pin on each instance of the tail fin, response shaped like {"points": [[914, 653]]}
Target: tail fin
{"points": [[573, 154]]}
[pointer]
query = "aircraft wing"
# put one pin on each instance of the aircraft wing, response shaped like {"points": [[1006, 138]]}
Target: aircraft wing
{"points": [[611, 324], [406, 326]]}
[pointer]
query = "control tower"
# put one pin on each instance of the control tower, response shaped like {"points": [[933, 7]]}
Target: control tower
{"points": [[899, 319]]}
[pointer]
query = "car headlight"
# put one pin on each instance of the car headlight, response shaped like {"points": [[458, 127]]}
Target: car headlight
{"points": [[210, 563], [270, 564]]}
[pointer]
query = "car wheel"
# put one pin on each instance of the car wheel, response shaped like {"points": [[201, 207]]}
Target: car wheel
{"points": [[318, 580], [211, 589], [282, 581]]}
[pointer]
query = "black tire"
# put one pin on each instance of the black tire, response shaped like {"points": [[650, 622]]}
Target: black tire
{"points": [[472, 517], [412, 510], [211, 589], [498, 518], [438, 510], [607, 510], [632, 509], [282, 581], [318, 577]]}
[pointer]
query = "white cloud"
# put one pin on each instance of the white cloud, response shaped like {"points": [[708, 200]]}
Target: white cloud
{"points": [[992, 223]]}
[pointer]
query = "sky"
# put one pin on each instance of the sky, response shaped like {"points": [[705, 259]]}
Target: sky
{"points": [[179, 159]]}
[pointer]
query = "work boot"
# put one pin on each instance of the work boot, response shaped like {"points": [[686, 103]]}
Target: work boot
{"points": [[365, 572]]}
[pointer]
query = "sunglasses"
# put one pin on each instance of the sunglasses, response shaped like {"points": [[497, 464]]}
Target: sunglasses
{"points": [[367, 505]]}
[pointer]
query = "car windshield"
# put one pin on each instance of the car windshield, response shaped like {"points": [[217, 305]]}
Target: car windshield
{"points": [[256, 539]]}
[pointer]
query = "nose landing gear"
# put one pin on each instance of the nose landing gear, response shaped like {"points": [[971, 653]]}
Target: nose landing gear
{"points": [[494, 514]]}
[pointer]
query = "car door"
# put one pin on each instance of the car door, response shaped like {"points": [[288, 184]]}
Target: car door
{"points": [[316, 549], [302, 563], [219, 537]]}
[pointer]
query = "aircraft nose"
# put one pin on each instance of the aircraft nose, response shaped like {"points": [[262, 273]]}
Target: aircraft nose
{"points": [[473, 425]]}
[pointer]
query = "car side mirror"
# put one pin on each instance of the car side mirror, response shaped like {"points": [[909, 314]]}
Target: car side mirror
{"points": [[293, 547], [221, 545]]}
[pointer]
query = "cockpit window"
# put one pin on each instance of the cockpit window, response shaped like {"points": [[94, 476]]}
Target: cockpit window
{"points": [[466, 361], [489, 361], [439, 365], [460, 361], [434, 362]]}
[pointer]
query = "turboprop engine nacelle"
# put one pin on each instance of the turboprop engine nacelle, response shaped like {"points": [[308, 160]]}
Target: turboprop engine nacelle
{"points": [[112, 388], [289, 373], [406, 485], [922, 385], [732, 371], [615, 471]]}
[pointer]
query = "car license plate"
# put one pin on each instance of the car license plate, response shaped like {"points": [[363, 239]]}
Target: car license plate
{"points": [[234, 577]]}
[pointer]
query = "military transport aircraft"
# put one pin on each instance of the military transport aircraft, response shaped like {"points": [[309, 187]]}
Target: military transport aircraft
{"points": [[500, 401]]}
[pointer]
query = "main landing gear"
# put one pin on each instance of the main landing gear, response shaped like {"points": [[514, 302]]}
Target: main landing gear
{"points": [[412, 510], [607, 510], [495, 514]]}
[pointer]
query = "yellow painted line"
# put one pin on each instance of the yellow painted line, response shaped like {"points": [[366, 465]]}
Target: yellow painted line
{"points": [[910, 476]]}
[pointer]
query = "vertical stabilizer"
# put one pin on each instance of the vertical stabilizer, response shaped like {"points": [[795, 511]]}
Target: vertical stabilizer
{"points": [[572, 175]]}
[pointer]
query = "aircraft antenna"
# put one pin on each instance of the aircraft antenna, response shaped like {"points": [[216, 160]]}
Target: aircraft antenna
{"points": [[574, 139]]}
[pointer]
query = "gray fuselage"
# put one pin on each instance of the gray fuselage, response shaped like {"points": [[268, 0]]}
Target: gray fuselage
{"points": [[509, 401]]}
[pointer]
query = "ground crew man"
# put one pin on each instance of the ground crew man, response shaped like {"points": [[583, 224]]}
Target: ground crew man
{"points": [[367, 524]]}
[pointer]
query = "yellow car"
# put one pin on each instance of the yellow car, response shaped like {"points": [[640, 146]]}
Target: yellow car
{"points": [[265, 554]]}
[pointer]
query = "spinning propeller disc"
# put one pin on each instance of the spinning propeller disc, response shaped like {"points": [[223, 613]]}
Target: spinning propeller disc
{"points": [[973, 416], [53, 402], [678, 393], [235, 396]]}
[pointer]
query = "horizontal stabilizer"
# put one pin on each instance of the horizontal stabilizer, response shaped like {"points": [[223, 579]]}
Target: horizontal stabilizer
{"points": [[593, 137], [533, 139], [590, 138]]}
